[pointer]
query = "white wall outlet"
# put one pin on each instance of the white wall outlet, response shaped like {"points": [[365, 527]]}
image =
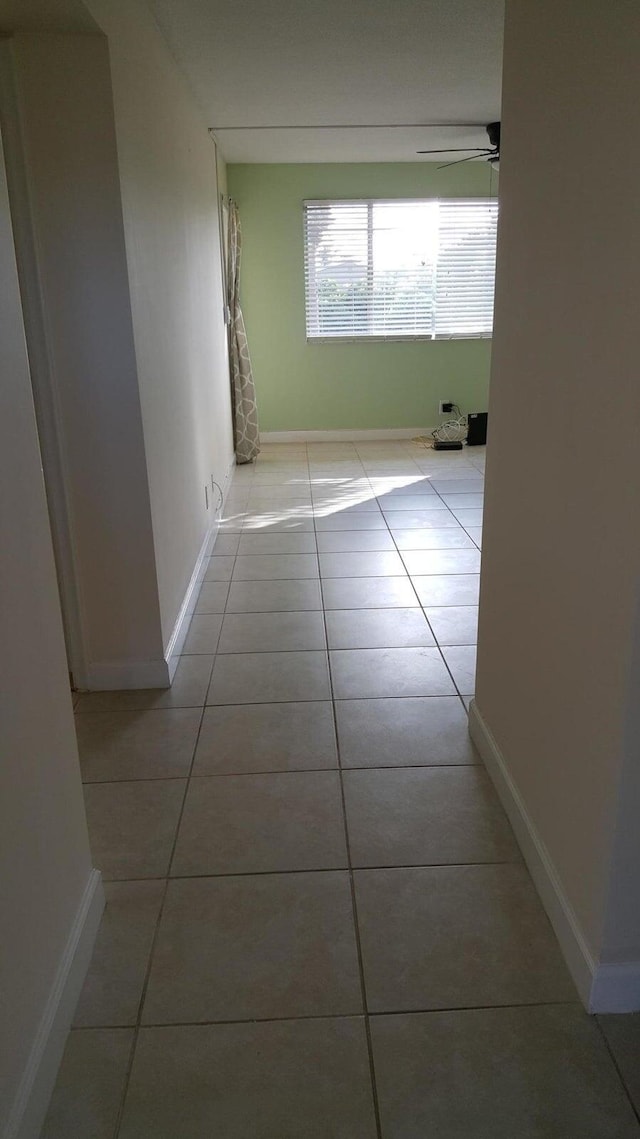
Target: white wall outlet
{"points": [[445, 407]]}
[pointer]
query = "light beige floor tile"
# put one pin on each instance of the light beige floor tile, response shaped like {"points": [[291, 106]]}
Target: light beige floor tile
{"points": [[336, 470], [353, 520], [345, 507], [458, 486], [354, 541], [273, 567], [219, 568], [448, 589], [271, 632], [255, 947], [113, 986], [366, 673], [203, 634], [435, 515], [236, 499], [438, 520], [259, 823], [385, 564], [137, 745], [278, 522], [368, 593], [395, 733], [542, 1073], [283, 498], [212, 597], [283, 543], [454, 624], [442, 561], [226, 544], [401, 485], [449, 538], [425, 816], [266, 737], [343, 482], [90, 1086], [463, 501], [268, 499], [256, 678], [426, 500], [259, 519], [132, 825], [377, 628], [356, 497], [356, 487], [231, 522], [289, 477], [461, 661], [382, 466], [623, 1037], [304, 1079], [273, 596], [467, 517], [188, 690], [463, 936]]}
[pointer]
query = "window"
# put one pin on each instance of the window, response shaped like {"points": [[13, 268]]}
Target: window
{"points": [[400, 269]]}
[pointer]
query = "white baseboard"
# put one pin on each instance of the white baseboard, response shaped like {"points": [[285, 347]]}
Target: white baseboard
{"points": [[616, 988], [32, 1100], [602, 987], [345, 435], [113, 675], [181, 627]]}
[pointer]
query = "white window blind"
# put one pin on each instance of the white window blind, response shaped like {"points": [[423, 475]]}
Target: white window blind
{"points": [[400, 269]]}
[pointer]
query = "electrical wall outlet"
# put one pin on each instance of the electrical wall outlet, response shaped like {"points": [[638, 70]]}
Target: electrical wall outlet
{"points": [[445, 407]]}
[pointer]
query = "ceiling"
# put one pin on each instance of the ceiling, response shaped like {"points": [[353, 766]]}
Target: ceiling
{"points": [[45, 16], [341, 80]]}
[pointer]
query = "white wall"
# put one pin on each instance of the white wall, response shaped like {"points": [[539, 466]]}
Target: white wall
{"points": [[65, 131], [44, 853], [170, 206], [561, 561], [128, 258]]}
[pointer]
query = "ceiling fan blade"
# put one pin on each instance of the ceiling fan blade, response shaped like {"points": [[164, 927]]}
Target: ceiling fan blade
{"points": [[457, 150], [459, 160]]}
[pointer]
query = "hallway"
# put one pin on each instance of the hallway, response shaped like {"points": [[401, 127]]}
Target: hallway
{"points": [[319, 925]]}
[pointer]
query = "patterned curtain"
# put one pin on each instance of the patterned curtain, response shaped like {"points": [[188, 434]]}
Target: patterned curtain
{"points": [[243, 392]]}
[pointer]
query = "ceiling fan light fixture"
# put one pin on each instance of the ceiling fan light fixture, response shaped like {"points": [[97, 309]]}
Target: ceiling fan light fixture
{"points": [[491, 153]]}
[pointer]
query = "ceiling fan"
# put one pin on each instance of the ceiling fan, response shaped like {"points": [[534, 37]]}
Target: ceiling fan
{"points": [[491, 153]]}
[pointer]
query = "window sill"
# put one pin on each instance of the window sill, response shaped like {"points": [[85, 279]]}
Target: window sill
{"points": [[394, 339]]}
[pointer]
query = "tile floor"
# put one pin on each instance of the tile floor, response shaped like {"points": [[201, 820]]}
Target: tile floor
{"points": [[318, 923]]}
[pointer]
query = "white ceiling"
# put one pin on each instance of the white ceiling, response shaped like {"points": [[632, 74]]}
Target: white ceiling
{"points": [[329, 69], [45, 16]]}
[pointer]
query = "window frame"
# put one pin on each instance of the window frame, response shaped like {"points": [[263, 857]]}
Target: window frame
{"points": [[376, 338]]}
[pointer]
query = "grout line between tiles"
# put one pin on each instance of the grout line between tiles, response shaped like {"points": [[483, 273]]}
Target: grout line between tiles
{"points": [[336, 1016], [291, 770], [634, 1108], [143, 993], [354, 905], [207, 874]]}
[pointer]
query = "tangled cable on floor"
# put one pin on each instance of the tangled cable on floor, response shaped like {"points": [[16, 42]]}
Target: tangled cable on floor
{"points": [[453, 431]]}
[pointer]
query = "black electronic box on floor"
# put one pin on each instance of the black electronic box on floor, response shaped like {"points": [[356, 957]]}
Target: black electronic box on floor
{"points": [[477, 432]]}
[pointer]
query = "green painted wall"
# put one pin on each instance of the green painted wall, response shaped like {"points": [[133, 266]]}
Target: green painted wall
{"points": [[315, 387]]}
